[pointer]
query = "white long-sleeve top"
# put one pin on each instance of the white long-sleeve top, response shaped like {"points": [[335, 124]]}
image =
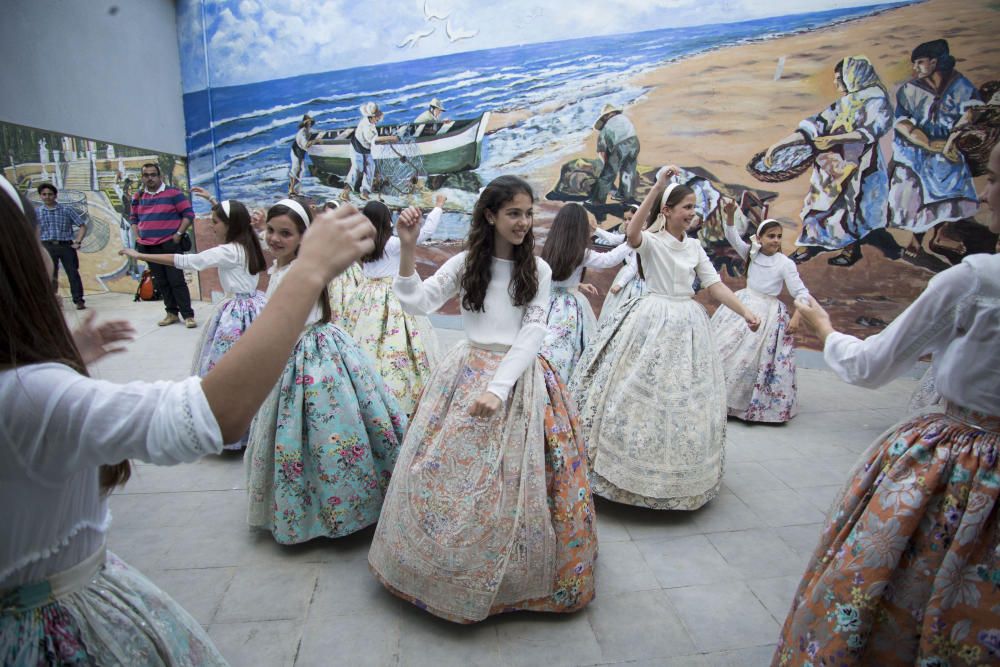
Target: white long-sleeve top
{"points": [[671, 265], [957, 319], [523, 328], [56, 428], [388, 264], [278, 274], [230, 259], [767, 273], [595, 260], [631, 269]]}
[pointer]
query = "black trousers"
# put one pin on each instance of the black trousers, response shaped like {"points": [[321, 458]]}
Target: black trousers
{"points": [[66, 255], [169, 280]]}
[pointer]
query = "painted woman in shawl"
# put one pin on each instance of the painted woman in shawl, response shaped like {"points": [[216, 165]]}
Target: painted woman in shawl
{"points": [[930, 182], [849, 185]]}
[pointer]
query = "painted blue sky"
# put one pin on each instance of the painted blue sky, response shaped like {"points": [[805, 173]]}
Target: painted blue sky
{"points": [[259, 40]]}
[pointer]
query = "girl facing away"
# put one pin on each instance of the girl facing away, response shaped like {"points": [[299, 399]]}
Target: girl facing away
{"points": [[65, 441], [239, 259], [489, 509], [760, 365], [324, 443], [906, 568], [570, 317], [650, 387], [403, 345], [343, 287], [628, 283]]}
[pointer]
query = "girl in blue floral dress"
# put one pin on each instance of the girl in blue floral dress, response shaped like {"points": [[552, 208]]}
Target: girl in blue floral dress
{"points": [[323, 445]]}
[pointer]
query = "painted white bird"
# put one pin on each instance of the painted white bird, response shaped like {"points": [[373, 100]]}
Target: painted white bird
{"points": [[430, 14], [457, 34], [414, 37]]}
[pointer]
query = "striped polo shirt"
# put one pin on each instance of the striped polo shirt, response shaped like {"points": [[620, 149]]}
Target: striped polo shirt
{"points": [[159, 214]]}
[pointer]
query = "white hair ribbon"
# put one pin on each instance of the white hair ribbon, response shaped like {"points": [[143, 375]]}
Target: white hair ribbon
{"points": [[661, 220], [755, 241], [225, 208], [11, 191], [297, 207]]}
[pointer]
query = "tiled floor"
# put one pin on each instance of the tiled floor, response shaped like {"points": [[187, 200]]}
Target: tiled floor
{"points": [[695, 589]]}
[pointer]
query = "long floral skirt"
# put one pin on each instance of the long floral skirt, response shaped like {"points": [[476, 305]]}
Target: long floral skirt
{"points": [[652, 402], [571, 324], [231, 318], [907, 570], [100, 612], [403, 346], [759, 365], [612, 302], [323, 446], [486, 516], [342, 289]]}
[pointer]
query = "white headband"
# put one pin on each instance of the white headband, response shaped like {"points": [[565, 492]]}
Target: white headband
{"points": [[666, 195], [297, 207], [225, 208], [11, 192], [755, 245]]}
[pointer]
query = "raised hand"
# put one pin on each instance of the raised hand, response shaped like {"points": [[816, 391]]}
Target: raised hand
{"points": [[408, 225], [439, 201], [664, 174], [93, 341], [729, 208], [203, 193]]}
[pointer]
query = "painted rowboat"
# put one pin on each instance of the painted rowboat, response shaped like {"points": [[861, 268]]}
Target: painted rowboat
{"points": [[443, 148]]}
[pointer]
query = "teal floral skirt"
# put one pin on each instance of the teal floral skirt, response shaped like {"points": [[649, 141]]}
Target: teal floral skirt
{"points": [[324, 443]]}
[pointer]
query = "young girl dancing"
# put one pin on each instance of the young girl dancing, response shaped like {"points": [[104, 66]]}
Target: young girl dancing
{"points": [[760, 365], [403, 346], [628, 283], [570, 317], [906, 569], [650, 386], [64, 598], [343, 287], [489, 509], [323, 445], [238, 259]]}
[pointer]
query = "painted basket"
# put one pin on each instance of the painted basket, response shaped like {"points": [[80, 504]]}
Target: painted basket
{"points": [[788, 162]]}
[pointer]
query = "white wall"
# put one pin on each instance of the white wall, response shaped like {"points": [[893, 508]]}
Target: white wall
{"points": [[79, 67]]}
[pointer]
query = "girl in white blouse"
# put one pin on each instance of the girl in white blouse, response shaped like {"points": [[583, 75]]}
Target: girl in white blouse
{"points": [[65, 439], [906, 570], [628, 284], [239, 259], [570, 317], [760, 365], [650, 386], [403, 345], [323, 445], [489, 509]]}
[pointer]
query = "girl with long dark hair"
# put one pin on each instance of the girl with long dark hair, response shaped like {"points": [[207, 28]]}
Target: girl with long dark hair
{"points": [[489, 509], [324, 443], [570, 318], [239, 259], [403, 345], [650, 386], [66, 440]]}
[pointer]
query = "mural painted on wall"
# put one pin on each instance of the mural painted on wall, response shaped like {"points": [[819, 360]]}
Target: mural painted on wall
{"points": [[860, 127], [97, 179]]}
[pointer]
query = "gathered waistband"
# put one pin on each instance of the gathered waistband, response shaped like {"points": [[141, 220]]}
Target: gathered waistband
{"points": [[30, 596], [973, 417]]}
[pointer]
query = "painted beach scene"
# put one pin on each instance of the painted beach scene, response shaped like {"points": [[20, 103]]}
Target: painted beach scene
{"points": [[746, 106]]}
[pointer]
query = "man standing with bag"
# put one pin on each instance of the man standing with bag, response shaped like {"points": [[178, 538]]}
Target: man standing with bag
{"points": [[160, 217]]}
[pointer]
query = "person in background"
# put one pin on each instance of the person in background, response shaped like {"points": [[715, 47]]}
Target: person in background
{"points": [[62, 230]]}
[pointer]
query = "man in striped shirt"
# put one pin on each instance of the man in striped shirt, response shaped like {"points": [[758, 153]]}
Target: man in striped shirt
{"points": [[160, 216], [61, 229]]}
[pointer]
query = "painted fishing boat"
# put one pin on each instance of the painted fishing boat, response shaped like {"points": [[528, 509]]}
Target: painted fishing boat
{"points": [[441, 148]]}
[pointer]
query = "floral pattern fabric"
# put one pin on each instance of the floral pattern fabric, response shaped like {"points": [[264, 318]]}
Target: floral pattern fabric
{"points": [[633, 289], [323, 446], [571, 323], [759, 365], [117, 618], [231, 318], [486, 516], [907, 570], [341, 290], [652, 402], [403, 346]]}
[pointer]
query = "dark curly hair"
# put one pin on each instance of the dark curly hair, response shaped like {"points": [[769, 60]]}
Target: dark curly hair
{"points": [[480, 245], [300, 224], [566, 245]]}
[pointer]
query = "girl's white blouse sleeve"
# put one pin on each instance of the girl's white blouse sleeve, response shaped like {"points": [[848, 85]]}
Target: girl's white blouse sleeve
{"points": [[741, 247], [529, 339], [610, 238], [606, 260], [793, 281], [421, 297], [56, 422], [629, 273], [225, 256], [704, 268]]}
